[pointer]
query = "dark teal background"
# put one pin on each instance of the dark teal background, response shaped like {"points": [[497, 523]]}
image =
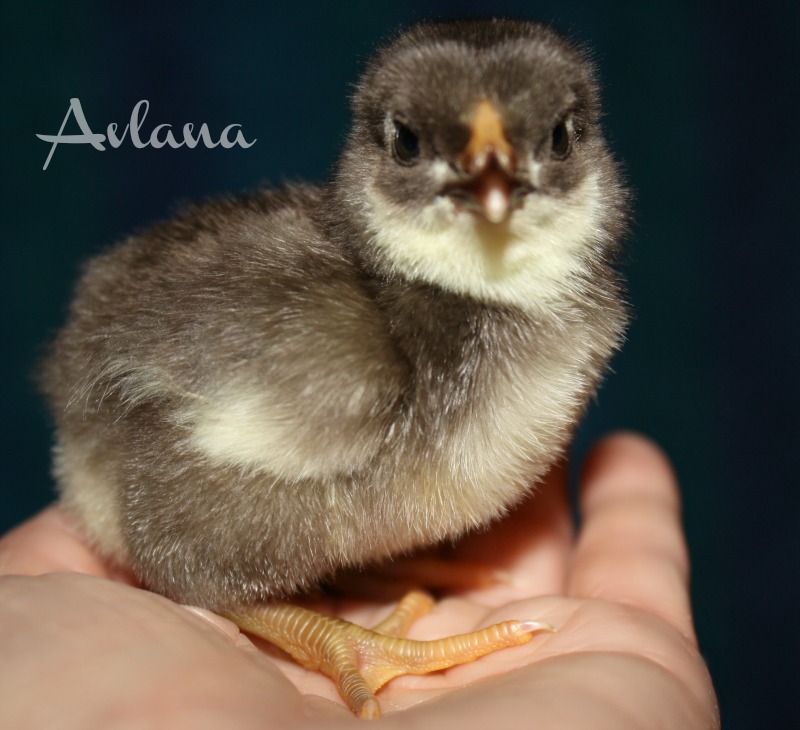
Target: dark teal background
{"points": [[703, 106]]}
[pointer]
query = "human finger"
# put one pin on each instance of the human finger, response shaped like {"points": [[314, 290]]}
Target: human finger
{"points": [[631, 548], [49, 542], [101, 652]]}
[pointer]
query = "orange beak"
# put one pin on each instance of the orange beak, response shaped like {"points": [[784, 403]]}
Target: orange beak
{"points": [[490, 158]]}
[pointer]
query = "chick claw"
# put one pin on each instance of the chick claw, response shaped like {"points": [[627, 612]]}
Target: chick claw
{"points": [[360, 661]]}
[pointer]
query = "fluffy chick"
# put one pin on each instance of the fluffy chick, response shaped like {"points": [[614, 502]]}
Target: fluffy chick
{"points": [[268, 388]]}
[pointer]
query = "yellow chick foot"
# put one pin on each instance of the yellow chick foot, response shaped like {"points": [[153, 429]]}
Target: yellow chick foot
{"points": [[359, 660]]}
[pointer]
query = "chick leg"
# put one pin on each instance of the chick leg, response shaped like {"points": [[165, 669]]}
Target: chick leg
{"points": [[414, 605], [360, 661]]}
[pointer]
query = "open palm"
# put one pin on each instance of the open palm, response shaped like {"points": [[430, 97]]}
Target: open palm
{"points": [[105, 653]]}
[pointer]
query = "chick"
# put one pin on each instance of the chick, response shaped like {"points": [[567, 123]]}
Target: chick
{"points": [[269, 388]]}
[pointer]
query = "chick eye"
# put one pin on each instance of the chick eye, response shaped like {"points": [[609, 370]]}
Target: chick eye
{"points": [[406, 144], [561, 140]]}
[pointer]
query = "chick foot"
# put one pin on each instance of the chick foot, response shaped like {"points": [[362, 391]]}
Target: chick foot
{"points": [[360, 661]]}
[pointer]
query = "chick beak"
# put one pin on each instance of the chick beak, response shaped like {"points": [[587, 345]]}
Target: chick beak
{"points": [[490, 162]]}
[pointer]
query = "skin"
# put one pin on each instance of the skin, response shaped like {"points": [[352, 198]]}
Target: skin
{"points": [[82, 647]]}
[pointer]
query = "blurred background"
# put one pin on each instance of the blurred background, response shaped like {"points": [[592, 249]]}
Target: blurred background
{"points": [[703, 108]]}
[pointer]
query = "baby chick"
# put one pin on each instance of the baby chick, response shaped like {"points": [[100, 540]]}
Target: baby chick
{"points": [[272, 387]]}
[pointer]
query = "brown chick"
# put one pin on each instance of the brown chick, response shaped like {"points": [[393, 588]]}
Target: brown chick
{"points": [[272, 387]]}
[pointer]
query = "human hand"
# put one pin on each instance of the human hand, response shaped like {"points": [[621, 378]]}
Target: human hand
{"points": [[84, 648]]}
